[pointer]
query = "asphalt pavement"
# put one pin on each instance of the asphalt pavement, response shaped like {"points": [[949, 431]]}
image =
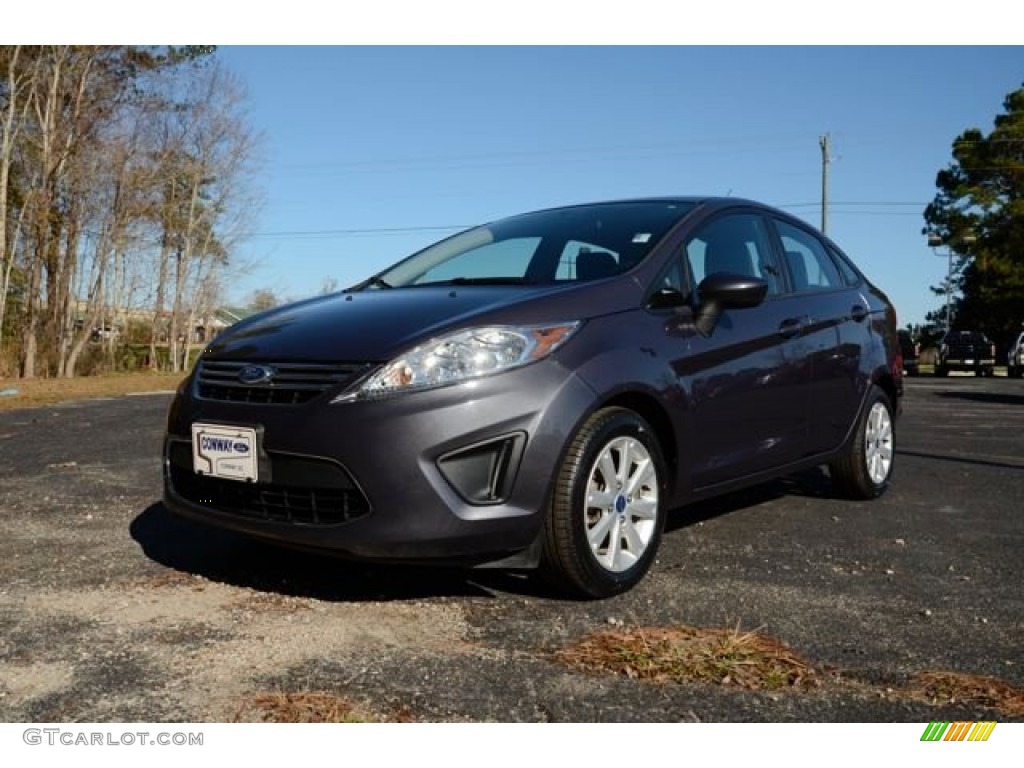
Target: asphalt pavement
{"points": [[111, 609]]}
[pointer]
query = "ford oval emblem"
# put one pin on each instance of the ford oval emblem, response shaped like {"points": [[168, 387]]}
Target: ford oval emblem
{"points": [[256, 374]]}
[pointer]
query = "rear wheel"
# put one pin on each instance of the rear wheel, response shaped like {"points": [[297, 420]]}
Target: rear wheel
{"points": [[864, 470], [606, 515]]}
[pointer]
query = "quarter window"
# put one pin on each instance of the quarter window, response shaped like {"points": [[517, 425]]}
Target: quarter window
{"points": [[810, 266], [849, 273]]}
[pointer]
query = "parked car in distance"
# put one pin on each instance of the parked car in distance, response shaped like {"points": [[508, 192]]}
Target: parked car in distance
{"points": [[1015, 358], [100, 333], [966, 351], [542, 390], [910, 352]]}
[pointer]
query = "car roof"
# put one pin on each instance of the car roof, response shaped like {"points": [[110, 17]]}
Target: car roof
{"points": [[705, 201]]}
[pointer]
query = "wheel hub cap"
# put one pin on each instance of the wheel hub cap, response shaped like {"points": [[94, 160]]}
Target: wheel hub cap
{"points": [[878, 444], [622, 504]]}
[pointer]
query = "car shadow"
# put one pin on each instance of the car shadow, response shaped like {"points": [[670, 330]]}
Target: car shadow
{"points": [[996, 398], [812, 483], [225, 557], [228, 558]]}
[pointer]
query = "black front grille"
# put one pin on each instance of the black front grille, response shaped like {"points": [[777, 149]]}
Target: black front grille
{"points": [[270, 501], [291, 383]]}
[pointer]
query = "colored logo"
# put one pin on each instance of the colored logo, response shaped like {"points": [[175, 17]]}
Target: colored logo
{"points": [[256, 374], [959, 731], [241, 447]]}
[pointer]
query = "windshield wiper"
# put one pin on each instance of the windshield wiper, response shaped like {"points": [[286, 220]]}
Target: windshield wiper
{"points": [[483, 281]]}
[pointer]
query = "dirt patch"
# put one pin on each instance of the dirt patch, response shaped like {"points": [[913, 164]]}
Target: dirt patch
{"points": [[201, 646]]}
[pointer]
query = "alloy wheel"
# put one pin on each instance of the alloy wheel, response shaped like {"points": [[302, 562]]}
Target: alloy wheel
{"points": [[878, 443], [621, 504]]}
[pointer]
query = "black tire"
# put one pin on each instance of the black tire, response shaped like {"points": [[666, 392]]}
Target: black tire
{"points": [[941, 370], [865, 468], [569, 561], [1015, 372]]}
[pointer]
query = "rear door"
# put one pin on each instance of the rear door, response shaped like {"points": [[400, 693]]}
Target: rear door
{"points": [[835, 334]]}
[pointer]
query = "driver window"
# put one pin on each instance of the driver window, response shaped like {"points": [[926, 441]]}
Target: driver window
{"points": [[738, 244]]}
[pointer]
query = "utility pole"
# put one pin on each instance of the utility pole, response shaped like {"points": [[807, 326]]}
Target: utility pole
{"points": [[825, 143]]}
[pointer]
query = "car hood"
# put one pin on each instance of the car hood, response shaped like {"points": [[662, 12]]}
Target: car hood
{"points": [[374, 326]]}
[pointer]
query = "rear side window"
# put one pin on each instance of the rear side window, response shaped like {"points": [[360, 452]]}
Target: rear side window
{"points": [[810, 267], [738, 244]]}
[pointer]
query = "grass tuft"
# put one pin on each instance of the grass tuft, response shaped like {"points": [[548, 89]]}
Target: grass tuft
{"points": [[311, 707], [689, 654], [938, 688]]}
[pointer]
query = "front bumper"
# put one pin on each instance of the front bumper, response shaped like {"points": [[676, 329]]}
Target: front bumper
{"points": [[395, 479]]}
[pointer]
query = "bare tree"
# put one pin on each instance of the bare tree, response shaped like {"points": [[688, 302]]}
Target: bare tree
{"points": [[217, 151], [123, 172]]}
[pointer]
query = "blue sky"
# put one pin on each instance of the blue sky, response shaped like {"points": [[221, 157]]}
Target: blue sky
{"points": [[358, 139]]}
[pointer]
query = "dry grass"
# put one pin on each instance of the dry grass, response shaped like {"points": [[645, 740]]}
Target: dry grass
{"points": [[939, 688], [690, 654], [756, 662], [35, 392], [310, 707]]}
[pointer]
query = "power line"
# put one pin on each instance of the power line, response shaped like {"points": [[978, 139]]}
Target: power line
{"points": [[356, 232]]}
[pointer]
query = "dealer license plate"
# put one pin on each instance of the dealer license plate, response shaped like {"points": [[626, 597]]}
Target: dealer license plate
{"points": [[222, 451]]}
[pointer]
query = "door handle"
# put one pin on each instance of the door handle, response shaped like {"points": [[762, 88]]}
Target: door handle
{"points": [[790, 327], [858, 312]]}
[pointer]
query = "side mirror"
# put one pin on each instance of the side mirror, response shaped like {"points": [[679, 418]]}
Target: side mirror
{"points": [[724, 290], [667, 298]]}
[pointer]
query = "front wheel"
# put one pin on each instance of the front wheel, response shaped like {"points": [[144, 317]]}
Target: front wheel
{"points": [[606, 516], [864, 469]]}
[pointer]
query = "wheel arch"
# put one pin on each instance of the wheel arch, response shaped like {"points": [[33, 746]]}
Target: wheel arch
{"points": [[654, 413], [885, 381]]}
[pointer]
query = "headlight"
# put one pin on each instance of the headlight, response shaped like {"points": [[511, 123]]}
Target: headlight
{"points": [[463, 355]]}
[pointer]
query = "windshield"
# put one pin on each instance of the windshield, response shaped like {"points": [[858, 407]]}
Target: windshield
{"points": [[561, 245]]}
